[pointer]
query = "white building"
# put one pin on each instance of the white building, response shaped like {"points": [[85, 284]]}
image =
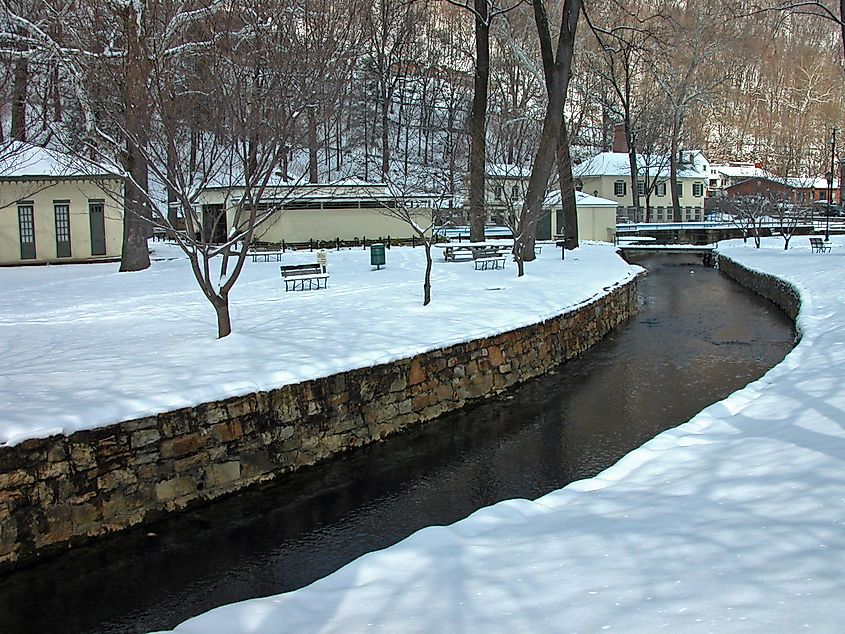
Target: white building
{"points": [[608, 175], [56, 207]]}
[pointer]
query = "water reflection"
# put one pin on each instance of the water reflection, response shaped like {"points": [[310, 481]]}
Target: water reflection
{"points": [[697, 338]]}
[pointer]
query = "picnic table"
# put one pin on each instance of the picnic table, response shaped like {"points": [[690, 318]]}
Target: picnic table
{"points": [[266, 256], [473, 250]]}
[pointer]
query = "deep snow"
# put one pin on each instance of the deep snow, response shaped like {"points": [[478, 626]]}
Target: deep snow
{"points": [[84, 346], [732, 522]]}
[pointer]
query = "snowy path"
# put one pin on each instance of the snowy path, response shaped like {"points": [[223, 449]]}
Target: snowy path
{"points": [[732, 522]]}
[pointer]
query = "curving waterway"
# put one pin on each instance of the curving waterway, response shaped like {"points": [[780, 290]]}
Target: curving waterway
{"points": [[697, 338]]}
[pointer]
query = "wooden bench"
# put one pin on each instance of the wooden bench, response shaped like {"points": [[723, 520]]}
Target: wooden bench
{"points": [[304, 277], [266, 256], [819, 246]]}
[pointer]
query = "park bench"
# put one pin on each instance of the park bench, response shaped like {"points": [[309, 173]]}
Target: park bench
{"points": [[818, 245], [302, 277]]}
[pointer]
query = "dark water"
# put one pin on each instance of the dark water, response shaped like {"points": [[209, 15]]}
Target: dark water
{"points": [[697, 338]]}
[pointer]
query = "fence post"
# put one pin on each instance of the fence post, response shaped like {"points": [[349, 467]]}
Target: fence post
{"points": [[310, 244], [337, 242], [283, 246], [388, 242], [413, 242], [365, 242]]}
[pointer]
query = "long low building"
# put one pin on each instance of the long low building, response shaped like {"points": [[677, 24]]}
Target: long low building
{"points": [[56, 208], [345, 210]]}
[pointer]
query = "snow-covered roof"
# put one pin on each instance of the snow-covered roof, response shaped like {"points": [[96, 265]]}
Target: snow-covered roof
{"points": [[508, 170], [581, 199], [23, 160], [741, 171], [616, 164]]}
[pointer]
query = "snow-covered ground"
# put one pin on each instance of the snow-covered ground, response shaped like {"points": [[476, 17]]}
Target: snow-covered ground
{"points": [[732, 522], [84, 346]]}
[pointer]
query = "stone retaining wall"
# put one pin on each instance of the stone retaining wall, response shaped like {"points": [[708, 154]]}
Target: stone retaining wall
{"points": [[61, 490], [776, 290]]}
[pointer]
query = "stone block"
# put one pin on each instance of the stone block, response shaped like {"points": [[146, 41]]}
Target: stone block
{"points": [[116, 479], [150, 422], [175, 488], [15, 479], [181, 445], [417, 373], [82, 456], [256, 464], [144, 437], [228, 431], [221, 475], [53, 470]]}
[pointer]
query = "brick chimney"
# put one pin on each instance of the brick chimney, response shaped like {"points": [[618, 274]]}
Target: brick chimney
{"points": [[620, 144]]}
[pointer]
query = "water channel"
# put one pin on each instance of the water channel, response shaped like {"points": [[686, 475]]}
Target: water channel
{"points": [[697, 338]]}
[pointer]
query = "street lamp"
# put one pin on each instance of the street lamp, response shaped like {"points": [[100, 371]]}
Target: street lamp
{"points": [[830, 184]]}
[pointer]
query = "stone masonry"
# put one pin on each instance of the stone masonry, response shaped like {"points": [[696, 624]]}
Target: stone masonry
{"points": [[62, 490]]}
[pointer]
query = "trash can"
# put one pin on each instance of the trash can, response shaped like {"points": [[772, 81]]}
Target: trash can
{"points": [[377, 255]]}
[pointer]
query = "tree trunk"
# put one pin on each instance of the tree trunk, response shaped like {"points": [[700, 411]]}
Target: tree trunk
{"points": [[478, 123], [172, 210], [19, 98], [312, 143], [428, 265], [632, 165], [557, 69], [842, 22], [224, 321], [568, 204], [385, 134], [136, 217], [673, 172]]}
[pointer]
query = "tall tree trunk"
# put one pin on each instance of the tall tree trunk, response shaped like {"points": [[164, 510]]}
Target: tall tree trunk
{"points": [[19, 98], [557, 69], [842, 22], [478, 123], [136, 219], [385, 134], [568, 204], [172, 199], [312, 143], [632, 165], [136, 225], [673, 170]]}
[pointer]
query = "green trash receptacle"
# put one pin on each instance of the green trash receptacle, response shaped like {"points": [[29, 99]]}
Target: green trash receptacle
{"points": [[377, 258]]}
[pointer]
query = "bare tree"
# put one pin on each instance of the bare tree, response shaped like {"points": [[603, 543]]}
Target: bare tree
{"points": [[557, 64], [417, 200], [750, 214]]}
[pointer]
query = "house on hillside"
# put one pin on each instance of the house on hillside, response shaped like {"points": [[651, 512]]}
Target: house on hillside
{"points": [[349, 209], [55, 207], [608, 176]]}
